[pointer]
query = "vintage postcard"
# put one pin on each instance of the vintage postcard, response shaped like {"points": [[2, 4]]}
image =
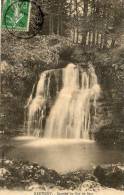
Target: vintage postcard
{"points": [[62, 97]]}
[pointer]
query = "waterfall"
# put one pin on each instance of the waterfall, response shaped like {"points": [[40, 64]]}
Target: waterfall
{"points": [[64, 104]]}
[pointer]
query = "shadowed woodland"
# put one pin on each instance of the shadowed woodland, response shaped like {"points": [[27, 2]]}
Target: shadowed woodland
{"points": [[91, 23]]}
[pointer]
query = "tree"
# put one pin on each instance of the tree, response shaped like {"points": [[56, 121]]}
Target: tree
{"points": [[56, 17]]}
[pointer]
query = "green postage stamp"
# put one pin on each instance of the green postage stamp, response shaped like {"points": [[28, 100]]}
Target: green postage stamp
{"points": [[16, 15]]}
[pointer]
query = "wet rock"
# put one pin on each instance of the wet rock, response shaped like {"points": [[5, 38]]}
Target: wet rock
{"points": [[72, 180], [36, 186], [19, 173], [91, 177], [45, 175], [3, 172], [111, 175], [99, 172], [8, 162], [89, 185], [29, 176]]}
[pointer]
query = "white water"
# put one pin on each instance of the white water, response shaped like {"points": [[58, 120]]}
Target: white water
{"points": [[70, 115]]}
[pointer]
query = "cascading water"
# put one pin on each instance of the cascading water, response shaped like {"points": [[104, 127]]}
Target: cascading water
{"points": [[64, 104]]}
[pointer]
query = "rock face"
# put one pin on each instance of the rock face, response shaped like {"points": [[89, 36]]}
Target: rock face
{"points": [[111, 112], [7, 115]]}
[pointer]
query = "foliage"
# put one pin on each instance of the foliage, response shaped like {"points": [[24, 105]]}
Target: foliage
{"points": [[43, 50], [28, 59]]}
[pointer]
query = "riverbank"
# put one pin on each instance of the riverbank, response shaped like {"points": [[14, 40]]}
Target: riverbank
{"points": [[25, 176]]}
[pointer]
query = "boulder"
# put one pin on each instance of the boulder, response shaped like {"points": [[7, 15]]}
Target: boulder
{"points": [[3, 172], [111, 175], [89, 185]]}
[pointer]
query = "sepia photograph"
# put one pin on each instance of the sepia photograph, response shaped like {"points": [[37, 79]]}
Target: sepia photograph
{"points": [[62, 97]]}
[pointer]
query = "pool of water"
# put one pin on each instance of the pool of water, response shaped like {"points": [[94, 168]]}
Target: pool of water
{"points": [[63, 155]]}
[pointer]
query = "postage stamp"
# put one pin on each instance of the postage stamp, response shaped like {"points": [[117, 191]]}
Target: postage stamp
{"points": [[16, 15]]}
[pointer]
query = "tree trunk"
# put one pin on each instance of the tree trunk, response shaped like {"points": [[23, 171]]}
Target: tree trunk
{"points": [[93, 39], [97, 39], [52, 24], [74, 35], [105, 15], [85, 12], [77, 35], [76, 9], [73, 31], [93, 22], [105, 41], [89, 39], [58, 25], [101, 41], [61, 26]]}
